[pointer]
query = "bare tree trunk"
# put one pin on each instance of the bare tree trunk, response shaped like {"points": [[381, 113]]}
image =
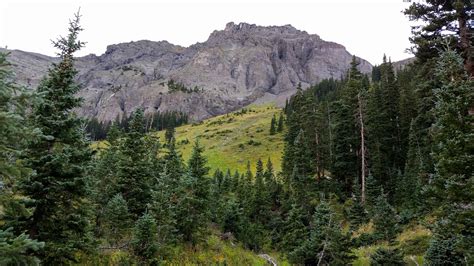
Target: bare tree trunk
{"points": [[318, 156], [362, 148], [330, 133], [465, 35]]}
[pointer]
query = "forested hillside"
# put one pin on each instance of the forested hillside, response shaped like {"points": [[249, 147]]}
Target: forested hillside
{"points": [[376, 169]]}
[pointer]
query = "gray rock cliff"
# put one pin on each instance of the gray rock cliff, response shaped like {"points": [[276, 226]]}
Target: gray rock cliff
{"points": [[237, 66]]}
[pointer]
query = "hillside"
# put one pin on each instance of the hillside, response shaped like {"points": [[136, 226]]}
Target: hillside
{"points": [[233, 139]]}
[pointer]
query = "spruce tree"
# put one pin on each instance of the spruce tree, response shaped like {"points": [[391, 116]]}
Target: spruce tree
{"points": [[144, 242], [261, 196], [280, 123], [442, 22], [385, 219], [59, 159], [194, 212], [326, 244], [165, 200], [452, 187], [117, 219], [134, 168], [14, 249], [346, 142], [384, 127], [387, 256], [294, 229], [357, 214], [17, 250], [273, 126]]}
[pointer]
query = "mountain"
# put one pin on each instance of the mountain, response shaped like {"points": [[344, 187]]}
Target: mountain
{"points": [[237, 66], [398, 65]]}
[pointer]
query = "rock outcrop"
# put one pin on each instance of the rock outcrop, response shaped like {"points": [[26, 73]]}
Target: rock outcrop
{"points": [[237, 66]]}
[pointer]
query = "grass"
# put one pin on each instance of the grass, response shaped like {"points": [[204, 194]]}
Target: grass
{"points": [[213, 251], [412, 241], [232, 139]]}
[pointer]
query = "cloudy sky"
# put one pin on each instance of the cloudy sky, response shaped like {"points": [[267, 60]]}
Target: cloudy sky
{"points": [[367, 28]]}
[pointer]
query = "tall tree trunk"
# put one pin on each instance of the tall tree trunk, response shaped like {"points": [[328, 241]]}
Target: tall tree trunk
{"points": [[362, 148], [465, 42]]}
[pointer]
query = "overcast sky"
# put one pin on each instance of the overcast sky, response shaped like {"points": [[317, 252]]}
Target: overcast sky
{"points": [[367, 28]]}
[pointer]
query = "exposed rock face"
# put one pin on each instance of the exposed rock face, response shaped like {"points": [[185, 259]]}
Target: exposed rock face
{"points": [[399, 65], [239, 65]]}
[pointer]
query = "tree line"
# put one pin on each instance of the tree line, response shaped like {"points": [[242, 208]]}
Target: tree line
{"points": [[155, 121]]}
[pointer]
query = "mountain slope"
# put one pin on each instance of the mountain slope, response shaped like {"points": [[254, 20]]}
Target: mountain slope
{"points": [[242, 64], [233, 139]]}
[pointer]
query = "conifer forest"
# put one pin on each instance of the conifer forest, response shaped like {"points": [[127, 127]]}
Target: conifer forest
{"points": [[376, 167]]}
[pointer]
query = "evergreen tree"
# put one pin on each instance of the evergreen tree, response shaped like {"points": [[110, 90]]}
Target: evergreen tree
{"points": [[385, 219], [169, 134], [326, 244], [443, 251], [294, 229], [144, 242], [384, 127], [58, 184], [262, 204], [387, 256], [134, 168], [373, 192], [357, 214], [452, 187], [442, 21], [280, 123], [346, 142], [117, 219], [194, 210], [273, 126], [165, 200], [15, 128], [16, 250]]}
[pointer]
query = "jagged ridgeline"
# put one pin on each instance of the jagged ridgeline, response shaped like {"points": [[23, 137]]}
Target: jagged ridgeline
{"points": [[242, 64]]}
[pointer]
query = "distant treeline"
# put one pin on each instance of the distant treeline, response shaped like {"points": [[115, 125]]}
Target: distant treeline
{"points": [[174, 86], [156, 121]]}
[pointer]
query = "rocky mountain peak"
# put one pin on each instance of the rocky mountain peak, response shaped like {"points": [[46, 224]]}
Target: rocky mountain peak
{"points": [[242, 64]]}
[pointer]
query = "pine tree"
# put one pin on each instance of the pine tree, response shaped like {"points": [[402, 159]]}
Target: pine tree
{"points": [[262, 204], [294, 229], [117, 219], [169, 134], [385, 220], [442, 251], [346, 142], [273, 126], [59, 159], [280, 123], [195, 214], [134, 168], [144, 242], [16, 250], [442, 22], [357, 214], [14, 100], [15, 128], [452, 187], [165, 200], [373, 192], [387, 256], [384, 127], [326, 244]]}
